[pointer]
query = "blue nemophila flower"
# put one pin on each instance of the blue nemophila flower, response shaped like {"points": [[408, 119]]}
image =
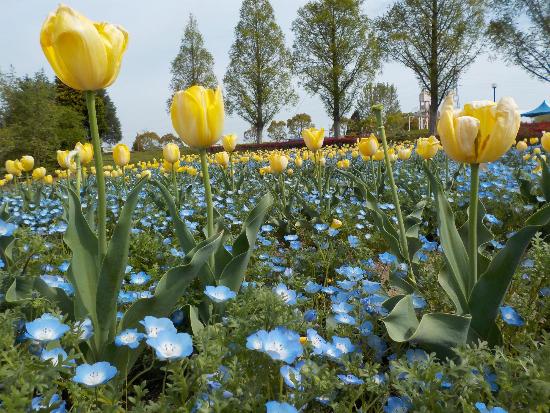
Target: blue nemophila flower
{"points": [[170, 345], [510, 316], [288, 296], [370, 287], [397, 405], [64, 266], [418, 301], [53, 355], [387, 258], [37, 404], [342, 307], [310, 316], [353, 241], [2, 264], [153, 325], [444, 384], [492, 219], [319, 343], [312, 287], [343, 344], [292, 237], [320, 227], [140, 278], [366, 328], [46, 328], [219, 294], [350, 379], [129, 337], [279, 344], [379, 378], [276, 407], [291, 375], [84, 329], [345, 318], [482, 407], [6, 228], [92, 375]]}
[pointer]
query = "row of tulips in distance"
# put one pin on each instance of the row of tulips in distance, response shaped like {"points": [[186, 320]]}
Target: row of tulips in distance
{"points": [[366, 148]]}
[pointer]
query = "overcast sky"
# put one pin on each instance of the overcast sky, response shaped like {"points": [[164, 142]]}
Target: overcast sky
{"points": [[156, 27]]}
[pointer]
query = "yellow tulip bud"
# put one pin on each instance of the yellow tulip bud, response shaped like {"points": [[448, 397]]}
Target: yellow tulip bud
{"points": [[313, 138], [336, 223], [12, 168], [27, 163], [404, 153], [368, 146], [229, 142], [533, 141], [536, 151], [354, 154], [427, 147], [84, 54], [378, 155], [222, 159], [39, 173], [198, 116], [521, 146], [85, 151], [145, 174], [298, 162], [545, 141], [322, 161], [48, 179], [171, 152], [482, 132], [62, 157], [278, 163], [2, 182], [8, 177], [121, 154]]}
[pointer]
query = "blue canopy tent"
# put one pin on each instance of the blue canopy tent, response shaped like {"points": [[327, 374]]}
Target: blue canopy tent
{"points": [[541, 113]]}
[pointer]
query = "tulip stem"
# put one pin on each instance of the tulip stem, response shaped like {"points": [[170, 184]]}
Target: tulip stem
{"points": [[78, 174], [207, 194], [402, 234], [472, 221], [100, 177], [231, 172]]}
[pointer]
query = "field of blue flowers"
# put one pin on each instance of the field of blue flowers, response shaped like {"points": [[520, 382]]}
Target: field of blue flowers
{"points": [[307, 327]]}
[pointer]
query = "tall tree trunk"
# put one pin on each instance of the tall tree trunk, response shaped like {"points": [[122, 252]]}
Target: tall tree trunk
{"points": [[336, 128], [259, 133], [433, 110]]}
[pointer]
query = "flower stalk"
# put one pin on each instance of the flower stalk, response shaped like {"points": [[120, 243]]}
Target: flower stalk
{"points": [[472, 220], [207, 193], [377, 109], [100, 177]]}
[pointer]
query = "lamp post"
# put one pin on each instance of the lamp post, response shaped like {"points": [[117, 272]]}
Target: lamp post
{"points": [[494, 86]]}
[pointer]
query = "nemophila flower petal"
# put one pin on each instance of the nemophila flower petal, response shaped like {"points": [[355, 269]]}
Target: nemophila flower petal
{"points": [[344, 318], [6, 228], [276, 407], [92, 375], [291, 375], [256, 341], [153, 325], [169, 345], [219, 294], [350, 379], [46, 328], [53, 355], [317, 342], [84, 329], [312, 287], [287, 295], [310, 316], [140, 278]]}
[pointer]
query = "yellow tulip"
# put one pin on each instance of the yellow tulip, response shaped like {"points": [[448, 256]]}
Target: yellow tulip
{"points": [[84, 55], [229, 142], [12, 168], [198, 116], [427, 147], [534, 140], [277, 163], [536, 151], [378, 155], [170, 166], [313, 138], [27, 163], [48, 179], [482, 132], [145, 174], [368, 146], [171, 152], [8, 177], [222, 159], [121, 154], [545, 141], [336, 223], [404, 153], [298, 162], [521, 146], [322, 161], [62, 159], [85, 151], [2, 182], [39, 173]]}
